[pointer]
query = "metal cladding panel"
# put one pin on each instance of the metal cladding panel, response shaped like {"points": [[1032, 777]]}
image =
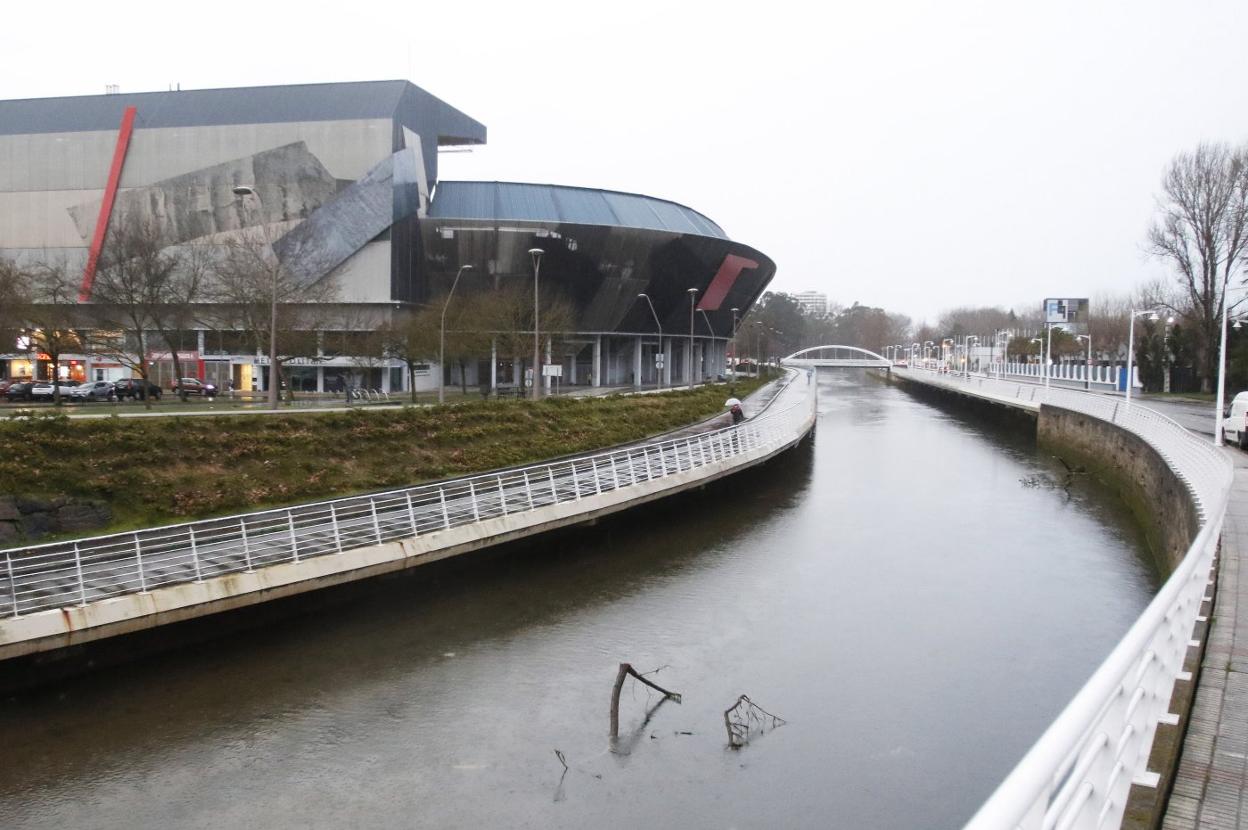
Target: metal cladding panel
{"points": [[509, 201], [584, 206], [244, 105], [521, 202], [600, 270]]}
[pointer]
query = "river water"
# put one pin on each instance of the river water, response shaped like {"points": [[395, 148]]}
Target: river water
{"points": [[916, 594]]}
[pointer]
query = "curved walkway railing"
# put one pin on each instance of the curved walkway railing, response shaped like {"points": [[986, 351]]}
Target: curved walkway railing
{"points": [[1079, 772], [63, 574]]}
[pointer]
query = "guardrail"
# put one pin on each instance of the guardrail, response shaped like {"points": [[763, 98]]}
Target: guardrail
{"points": [[62, 574], [1078, 774]]}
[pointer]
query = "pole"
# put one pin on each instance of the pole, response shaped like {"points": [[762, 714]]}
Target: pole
{"points": [[659, 326], [442, 333], [1217, 425], [536, 253], [1087, 367], [693, 294], [1048, 355], [1130, 351]]}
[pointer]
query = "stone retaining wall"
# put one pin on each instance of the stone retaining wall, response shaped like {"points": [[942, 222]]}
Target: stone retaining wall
{"points": [[27, 519]]}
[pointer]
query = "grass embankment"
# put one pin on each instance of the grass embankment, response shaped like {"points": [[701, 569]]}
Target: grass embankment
{"points": [[154, 470]]}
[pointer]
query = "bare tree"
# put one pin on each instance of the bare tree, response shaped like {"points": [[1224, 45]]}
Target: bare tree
{"points": [[53, 315], [14, 302], [1202, 232], [141, 286], [249, 284]]}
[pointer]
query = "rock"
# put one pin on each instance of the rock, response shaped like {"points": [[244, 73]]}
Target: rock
{"points": [[8, 509], [8, 534], [82, 516], [35, 525]]}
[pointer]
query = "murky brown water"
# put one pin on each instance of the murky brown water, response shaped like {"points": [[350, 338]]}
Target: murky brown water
{"points": [[895, 591]]}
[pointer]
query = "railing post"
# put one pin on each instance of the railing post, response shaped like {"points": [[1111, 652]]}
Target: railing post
{"points": [[411, 513], [138, 561], [649, 473], [576, 482], [554, 494], [502, 494], [372, 503], [597, 480], [82, 588], [446, 516], [8, 562], [333, 520], [615, 474], [472, 497], [195, 554], [242, 529], [294, 543], [528, 489]]}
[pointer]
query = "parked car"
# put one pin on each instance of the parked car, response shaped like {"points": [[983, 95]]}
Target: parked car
{"points": [[19, 391], [136, 389], [5, 383], [97, 390], [195, 386], [1235, 427], [43, 390]]}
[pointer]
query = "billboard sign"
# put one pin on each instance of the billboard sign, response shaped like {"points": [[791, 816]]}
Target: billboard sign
{"points": [[1070, 314]]}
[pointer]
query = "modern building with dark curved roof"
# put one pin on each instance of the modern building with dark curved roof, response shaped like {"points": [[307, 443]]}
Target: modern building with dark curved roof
{"points": [[342, 179]]}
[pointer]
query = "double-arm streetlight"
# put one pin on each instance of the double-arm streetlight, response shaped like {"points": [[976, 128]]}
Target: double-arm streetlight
{"points": [[536, 254], [442, 333], [657, 325], [966, 347], [242, 191]]}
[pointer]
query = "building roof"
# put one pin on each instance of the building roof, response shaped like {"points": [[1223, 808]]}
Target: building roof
{"points": [[396, 100], [518, 202]]}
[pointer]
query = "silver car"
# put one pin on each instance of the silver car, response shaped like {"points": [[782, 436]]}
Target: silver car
{"points": [[98, 390]]}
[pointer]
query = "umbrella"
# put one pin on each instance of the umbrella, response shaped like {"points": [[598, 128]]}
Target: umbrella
{"points": [[731, 402]]}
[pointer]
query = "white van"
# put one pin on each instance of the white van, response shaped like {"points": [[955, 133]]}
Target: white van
{"points": [[1235, 427]]}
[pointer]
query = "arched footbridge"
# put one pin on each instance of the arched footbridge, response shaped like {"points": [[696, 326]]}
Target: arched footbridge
{"points": [[842, 356]]}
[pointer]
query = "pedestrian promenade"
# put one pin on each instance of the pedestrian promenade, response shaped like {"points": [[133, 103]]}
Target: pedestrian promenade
{"points": [[1212, 779]]}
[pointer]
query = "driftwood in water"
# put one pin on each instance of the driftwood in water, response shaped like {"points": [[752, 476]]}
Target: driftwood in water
{"points": [[744, 715], [625, 671]]}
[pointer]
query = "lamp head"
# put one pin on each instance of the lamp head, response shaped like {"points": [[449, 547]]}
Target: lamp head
{"points": [[243, 190], [536, 251], [693, 291]]}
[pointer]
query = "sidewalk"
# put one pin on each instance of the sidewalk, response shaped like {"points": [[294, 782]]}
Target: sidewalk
{"points": [[1211, 783]]}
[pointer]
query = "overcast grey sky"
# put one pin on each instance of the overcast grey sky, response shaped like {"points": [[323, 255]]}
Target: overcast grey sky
{"points": [[914, 155]]}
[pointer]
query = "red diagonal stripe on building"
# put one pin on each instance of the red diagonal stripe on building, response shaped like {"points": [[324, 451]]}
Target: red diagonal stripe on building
{"points": [[729, 270], [106, 207]]}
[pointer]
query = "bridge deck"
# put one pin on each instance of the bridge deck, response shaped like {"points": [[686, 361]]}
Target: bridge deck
{"points": [[1211, 785]]}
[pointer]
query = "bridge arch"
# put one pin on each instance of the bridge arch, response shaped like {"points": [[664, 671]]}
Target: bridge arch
{"points": [[833, 355]]}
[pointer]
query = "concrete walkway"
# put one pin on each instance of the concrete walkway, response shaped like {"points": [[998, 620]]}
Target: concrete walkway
{"points": [[1212, 780]]}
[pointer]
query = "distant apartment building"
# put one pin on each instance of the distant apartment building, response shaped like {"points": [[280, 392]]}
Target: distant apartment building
{"points": [[814, 303]]}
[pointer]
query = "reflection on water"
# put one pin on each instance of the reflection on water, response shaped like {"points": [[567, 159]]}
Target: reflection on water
{"points": [[895, 590]]}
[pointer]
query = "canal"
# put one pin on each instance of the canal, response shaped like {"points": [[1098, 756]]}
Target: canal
{"points": [[915, 593]]}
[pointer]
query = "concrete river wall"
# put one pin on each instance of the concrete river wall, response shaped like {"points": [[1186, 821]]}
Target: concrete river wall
{"points": [[1109, 757]]}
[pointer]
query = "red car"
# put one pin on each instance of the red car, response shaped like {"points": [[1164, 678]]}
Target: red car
{"points": [[194, 386]]}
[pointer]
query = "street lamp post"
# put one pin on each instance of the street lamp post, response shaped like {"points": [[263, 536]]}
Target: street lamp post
{"points": [[1152, 315], [693, 296], [442, 334], [1087, 366], [536, 254], [735, 359], [659, 326], [967, 349], [242, 191], [1226, 312], [1048, 354]]}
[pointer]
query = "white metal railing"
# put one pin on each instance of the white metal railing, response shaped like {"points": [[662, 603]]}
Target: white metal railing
{"points": [[1077, 775], [63, 574]]}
